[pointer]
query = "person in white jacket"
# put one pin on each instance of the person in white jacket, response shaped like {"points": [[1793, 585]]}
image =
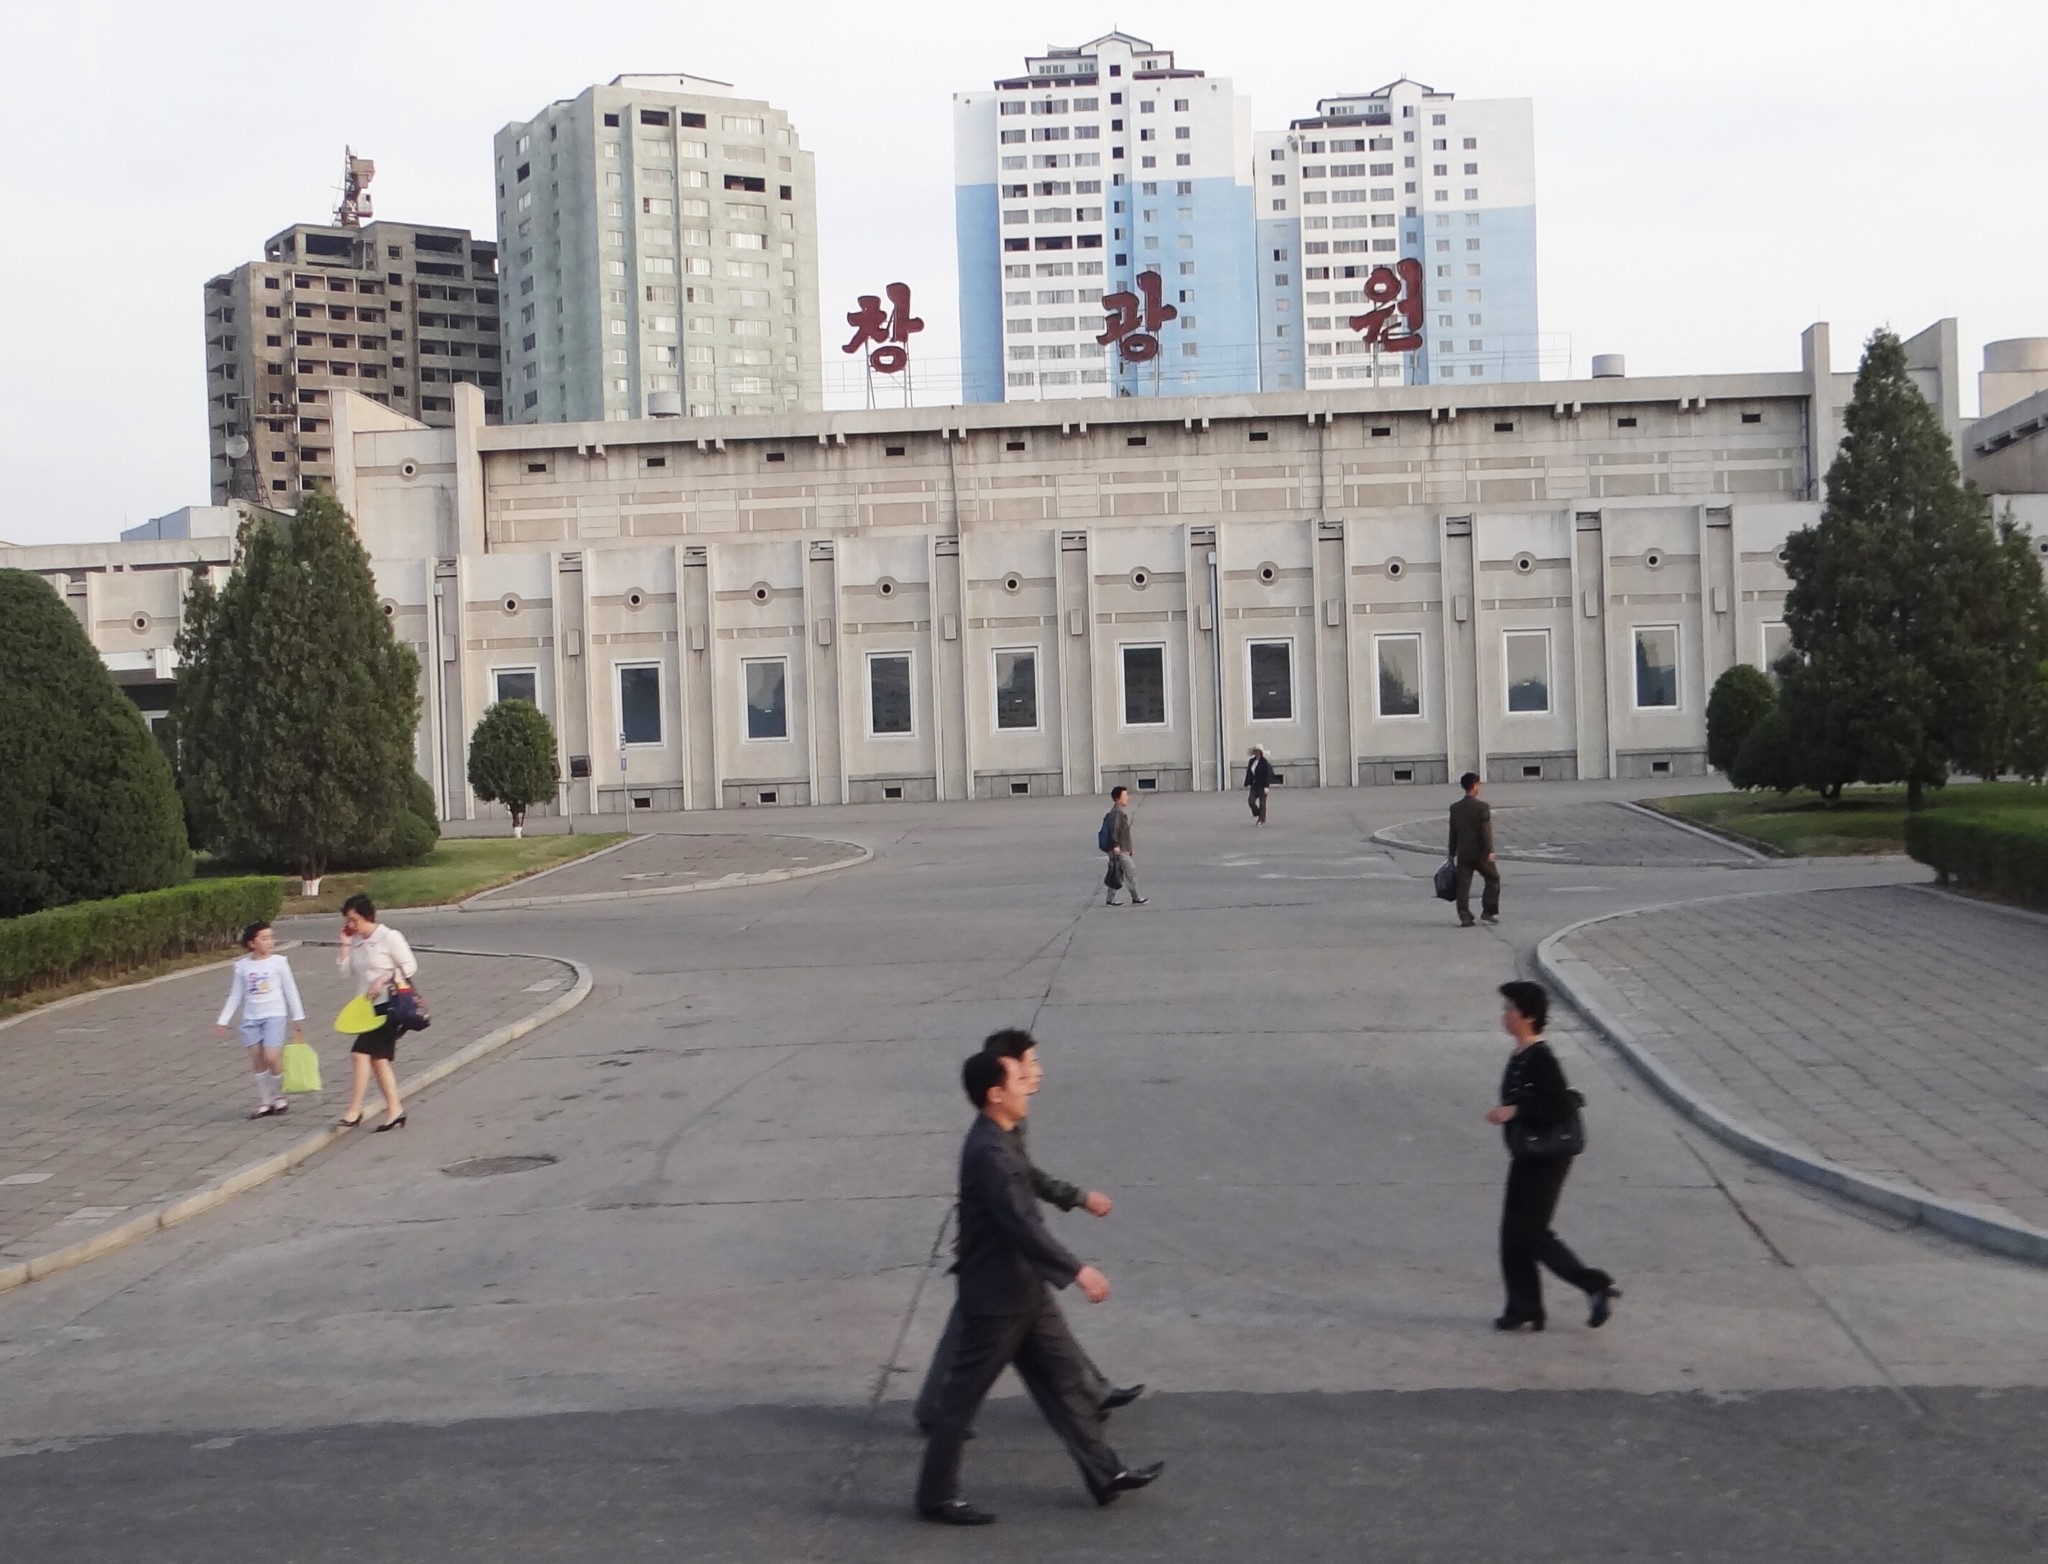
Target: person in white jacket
{"points": [[380, 960], [263, 987]]}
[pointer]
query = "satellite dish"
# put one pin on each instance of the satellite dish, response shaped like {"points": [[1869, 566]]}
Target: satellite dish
{"points": [[237, 447]]}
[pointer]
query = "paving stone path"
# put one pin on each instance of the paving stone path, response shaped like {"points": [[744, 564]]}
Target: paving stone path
{"points": [[1605, 834], [1899, 1032], [675, 861], [129, 1098]]}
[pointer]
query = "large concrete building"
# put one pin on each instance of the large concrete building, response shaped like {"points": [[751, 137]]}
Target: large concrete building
{"points": [[660, 246], [1099, 164], [1383, 586], [398, 312]]}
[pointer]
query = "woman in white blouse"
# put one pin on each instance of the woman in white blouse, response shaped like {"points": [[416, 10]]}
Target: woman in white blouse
{"points": [[380, 959]]}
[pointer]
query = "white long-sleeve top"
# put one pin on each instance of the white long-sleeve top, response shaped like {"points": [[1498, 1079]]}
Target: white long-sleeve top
{"points": [[377, 958], [263, 987]]}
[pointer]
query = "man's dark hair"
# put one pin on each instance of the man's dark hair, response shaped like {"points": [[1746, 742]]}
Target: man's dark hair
{"points": [[982, 1074], [1012, 1042], [249, 934], [1532, 999], [361, 906], [1117, 793], [1469, 781]]}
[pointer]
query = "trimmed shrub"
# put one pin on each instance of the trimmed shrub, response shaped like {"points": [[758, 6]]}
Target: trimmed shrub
{"points": [[2002, 851], [411, 837], [1765, 756], [103, 938], [1743, 696], [512, 758]]}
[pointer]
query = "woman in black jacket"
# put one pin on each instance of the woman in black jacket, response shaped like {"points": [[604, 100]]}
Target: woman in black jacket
{"points": [[1535, 1105], [1258, 777]]}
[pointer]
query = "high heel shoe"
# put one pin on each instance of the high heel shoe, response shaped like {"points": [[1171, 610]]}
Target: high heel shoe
{"points": [[390, 1124], [348, 1124]]}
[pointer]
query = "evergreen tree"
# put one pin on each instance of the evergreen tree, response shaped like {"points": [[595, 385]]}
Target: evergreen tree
{"points": [[1742, 697], [512, 759], [87, 804], [296, 706]]}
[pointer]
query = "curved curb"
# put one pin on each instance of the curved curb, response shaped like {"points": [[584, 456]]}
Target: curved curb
{"points": [[1385, 837], [1987, 1228], [485, 901], [1748, 849], [182, 1208]]}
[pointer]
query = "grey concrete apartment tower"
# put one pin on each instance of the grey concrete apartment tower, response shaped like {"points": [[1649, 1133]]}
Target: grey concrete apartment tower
{"points": [[398, 311], [661, 256]]}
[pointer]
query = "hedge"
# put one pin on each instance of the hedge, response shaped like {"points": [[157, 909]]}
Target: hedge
{"points": [[2003, 851], [101, 938]]}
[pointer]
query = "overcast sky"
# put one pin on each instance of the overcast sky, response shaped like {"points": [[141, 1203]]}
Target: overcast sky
{"points": [[1710, 179]]}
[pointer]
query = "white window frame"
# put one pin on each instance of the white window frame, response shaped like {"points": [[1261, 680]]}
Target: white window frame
{"points": [[1421, 711], [868, 690], [746, 706], [1763, 640], [1037, 656], [1123, 706], [660, 702], [1549, 674], [516, 668], [1293, 705], [1635, 692]]}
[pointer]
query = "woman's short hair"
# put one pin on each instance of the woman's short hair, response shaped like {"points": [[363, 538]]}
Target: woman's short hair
{"points": [[361, 906], [1531, 999], [249, 934], [981, 1074]]}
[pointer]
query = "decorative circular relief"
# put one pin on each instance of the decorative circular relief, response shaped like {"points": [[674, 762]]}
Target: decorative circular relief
{"points": [[761, 591], [390, 609], [1269, 572], [511, 603], [636, 599], [1653, 560], [408, 469], [886, 586], [1396, 568], [1013, 582], [140, 622], [1140, 578], [1525, 562]]}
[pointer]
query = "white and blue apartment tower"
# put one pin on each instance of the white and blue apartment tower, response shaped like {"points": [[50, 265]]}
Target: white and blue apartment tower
{"points": [[1099, 163], [1372, 179]]}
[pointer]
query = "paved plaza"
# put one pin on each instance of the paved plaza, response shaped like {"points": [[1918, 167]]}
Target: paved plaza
{"points": [[657, 1281], [1610, 834], [662, 863]]}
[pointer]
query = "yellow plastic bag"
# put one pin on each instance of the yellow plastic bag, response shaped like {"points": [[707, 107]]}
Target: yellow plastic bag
{"points": [[358, 1016], [300, 1068]]}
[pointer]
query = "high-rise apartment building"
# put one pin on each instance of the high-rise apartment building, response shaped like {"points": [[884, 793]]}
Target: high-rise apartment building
{"points": [[1099, 164], [1440, 191], [660, 255], [397, 311]]}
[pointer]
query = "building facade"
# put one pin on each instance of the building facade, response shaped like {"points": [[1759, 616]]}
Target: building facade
{"points": [[397, 312], [660, 248], [1098, 164], [1402, 174]]}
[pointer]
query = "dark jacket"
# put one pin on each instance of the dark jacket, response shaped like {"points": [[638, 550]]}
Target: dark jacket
{"points": [[1006, 1254], [1120, 828], [1258, 773], [1471, 830], [1534, 1082], [1053, 1191]]}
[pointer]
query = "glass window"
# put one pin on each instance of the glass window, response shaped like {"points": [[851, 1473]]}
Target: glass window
{"points": [[1657, 666], [640, 703], [889, 693], [1144, 676], [767, 697], [1017, 690], [1777, 642], [1528, 670], [516, 684], [1272, 670], [1400, 674]]}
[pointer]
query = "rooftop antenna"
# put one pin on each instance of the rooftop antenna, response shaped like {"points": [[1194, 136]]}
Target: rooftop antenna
{"points": [[357, 173]]}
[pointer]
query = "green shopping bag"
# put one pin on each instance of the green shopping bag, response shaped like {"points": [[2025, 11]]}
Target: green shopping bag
{"points": [[300, 1067]]}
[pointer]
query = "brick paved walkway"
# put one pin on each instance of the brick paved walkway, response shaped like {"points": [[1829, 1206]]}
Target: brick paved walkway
{"points": [[1898, 1032], [1604, 834], [675, 861], [129, 1099]]}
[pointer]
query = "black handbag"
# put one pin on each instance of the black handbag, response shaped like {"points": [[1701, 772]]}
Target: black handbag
{"points": [[1447, 881], [1113, 877], [1565, 1138], [408, 1007]]}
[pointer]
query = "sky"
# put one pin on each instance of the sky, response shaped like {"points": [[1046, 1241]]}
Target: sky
{"points": [[1710, 179]]}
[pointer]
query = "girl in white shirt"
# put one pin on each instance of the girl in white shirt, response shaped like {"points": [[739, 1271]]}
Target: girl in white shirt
{"points": [[263, 987]]}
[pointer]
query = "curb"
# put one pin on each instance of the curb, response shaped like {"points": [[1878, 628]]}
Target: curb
{"points": [[182, 1208], [1986, 1228], [1385, 837], [1718, 838], [485, 901]]}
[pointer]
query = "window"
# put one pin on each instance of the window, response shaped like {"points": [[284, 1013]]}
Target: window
{"points": [[1777, 642], [515, 684], [1657, 667], [1016, 691], [1399, 660], [1143, 670], [888, 694], [639, 703], [767, 682], [1527, 658], [1271, 666]]}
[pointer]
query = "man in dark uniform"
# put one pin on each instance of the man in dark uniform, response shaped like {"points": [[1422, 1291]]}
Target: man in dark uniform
{"points": [[1007, 1269], [1472, 851]]}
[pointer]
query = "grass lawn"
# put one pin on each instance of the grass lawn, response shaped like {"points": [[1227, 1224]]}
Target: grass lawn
{"points": [[456, 868], [1866, 820]]}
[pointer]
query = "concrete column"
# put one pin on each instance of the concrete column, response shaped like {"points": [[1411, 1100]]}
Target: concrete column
{"points": [[1464, 741]]}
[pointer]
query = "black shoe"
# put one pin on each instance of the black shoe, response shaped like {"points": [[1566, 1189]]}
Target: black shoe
{"points": [[390, 1124], [1129, 1481], [1112, 902], [348, 1124], [1603, 1306], [1468, 923], [1121, 1396], [1489, 917], [1517, 1322], [956, 1512]]}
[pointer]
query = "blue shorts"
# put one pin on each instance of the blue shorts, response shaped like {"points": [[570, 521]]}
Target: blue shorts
{"points": [[268, 1032]]}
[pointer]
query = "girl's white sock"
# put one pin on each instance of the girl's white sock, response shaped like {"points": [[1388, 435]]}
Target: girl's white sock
{"points": [[263, 1093], [274, 1082]]}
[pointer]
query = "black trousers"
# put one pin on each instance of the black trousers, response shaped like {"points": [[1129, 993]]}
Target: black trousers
{"points": [[1258, 803], [1490, 902], [1534, 1183], [1039, 1346], [927, 1410]]}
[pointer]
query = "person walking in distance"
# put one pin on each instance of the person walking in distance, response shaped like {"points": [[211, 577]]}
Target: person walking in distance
{"points": [[263, 986], [1258, 778], [380, 960], [1471, 851], [1008, 1267], [1123, 867], [1015, 1043], [1539, 1119]]}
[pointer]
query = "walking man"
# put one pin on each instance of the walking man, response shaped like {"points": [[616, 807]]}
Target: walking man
{"points": [[1258, 778], [1019, 1045], [1007, 1269], [1471, 851], [1123, 868]]}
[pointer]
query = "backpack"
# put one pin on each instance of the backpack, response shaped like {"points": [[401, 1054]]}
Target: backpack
{"points": [[1105, 838]]}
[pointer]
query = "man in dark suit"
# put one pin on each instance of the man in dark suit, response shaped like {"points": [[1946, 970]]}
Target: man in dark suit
{"points": [[1471, 851], [1007, 1269]]}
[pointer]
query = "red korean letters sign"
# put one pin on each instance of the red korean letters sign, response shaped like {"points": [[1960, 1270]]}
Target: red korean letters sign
{"points": [[1132, 320], [1395, 320], [889, 330]]}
